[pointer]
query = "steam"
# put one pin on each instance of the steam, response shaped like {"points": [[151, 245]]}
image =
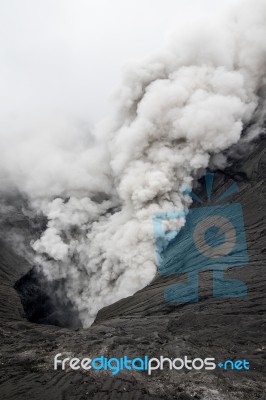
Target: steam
{"points": [[99, 191]]}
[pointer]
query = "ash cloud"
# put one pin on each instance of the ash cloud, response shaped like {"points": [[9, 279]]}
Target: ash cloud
{"points": [[173, 113]]}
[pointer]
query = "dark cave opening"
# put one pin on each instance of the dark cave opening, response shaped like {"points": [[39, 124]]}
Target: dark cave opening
{"points": [[44, 301]]}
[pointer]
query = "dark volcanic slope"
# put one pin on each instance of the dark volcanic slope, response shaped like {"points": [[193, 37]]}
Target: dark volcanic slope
{"points": [[146, 324]]}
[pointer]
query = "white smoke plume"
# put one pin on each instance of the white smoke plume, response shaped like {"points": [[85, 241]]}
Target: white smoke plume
{"points": [[173, 111]]}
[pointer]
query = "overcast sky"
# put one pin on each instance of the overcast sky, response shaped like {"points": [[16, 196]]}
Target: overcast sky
{"points": [[65, 56]]}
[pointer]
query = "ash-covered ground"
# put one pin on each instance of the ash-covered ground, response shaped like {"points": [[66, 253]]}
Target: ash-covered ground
{"points": [[143, 323]]}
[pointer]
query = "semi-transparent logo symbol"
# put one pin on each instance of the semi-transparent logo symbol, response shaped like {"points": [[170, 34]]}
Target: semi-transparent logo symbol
{"points": [[213, 238]]}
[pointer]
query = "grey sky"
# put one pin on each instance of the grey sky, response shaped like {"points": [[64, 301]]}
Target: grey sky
{"points": [[65, 56]]}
